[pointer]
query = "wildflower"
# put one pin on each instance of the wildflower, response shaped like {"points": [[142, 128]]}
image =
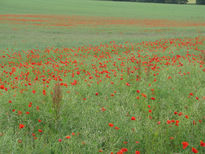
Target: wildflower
{"points": [[40, 131], [168, 121], [44, 92], [194, 150], [59, 140], [191, 94], [127, 84], [117, 128], [19, 112], [2, 87], [68, 137], [177, 123], [180, 113], [133, 118], [124, 150], [96, 93], [186, 116], [103, 109], [185, 144], [110, 124], [144, 95], [149, 106], [202, 144], [137, 152], [21, 126]]}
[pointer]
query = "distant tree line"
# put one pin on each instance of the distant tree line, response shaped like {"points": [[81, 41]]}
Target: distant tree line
{"points": [[165, 1], [200, 1]]}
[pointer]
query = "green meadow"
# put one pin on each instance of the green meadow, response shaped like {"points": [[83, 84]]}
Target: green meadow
{"points": [[89, 88], [30, 37]]}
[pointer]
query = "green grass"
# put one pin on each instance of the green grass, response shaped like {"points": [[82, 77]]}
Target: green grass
{"points": [[104, 8], [27, 53], [27, 37]]}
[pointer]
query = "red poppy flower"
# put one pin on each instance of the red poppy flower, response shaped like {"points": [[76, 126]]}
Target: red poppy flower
{"points": [[185, 144], [117, 128], [149, 106], [191, 94], [124, 150], [169, 121], [133, 118], [68, 137], [194, 150], [180, 113], [103, 109], [2, 87], [100, 150], [144, 95], [202, 144], [44, 92], [21, 126]]}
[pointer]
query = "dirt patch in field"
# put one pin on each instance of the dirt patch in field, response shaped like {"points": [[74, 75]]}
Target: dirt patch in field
{"points": [[70, 21]]}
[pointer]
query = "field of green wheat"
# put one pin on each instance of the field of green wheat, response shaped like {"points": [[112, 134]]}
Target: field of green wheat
{"points": [[87, 77]]}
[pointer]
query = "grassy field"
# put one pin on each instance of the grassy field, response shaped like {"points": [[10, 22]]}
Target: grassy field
{"points": [[85, 76]]}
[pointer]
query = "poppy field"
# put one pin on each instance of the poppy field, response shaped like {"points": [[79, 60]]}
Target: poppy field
{"points": [[78, 83]]}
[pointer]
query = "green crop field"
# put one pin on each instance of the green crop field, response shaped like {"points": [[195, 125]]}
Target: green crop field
{"points": [[87, 77]]}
